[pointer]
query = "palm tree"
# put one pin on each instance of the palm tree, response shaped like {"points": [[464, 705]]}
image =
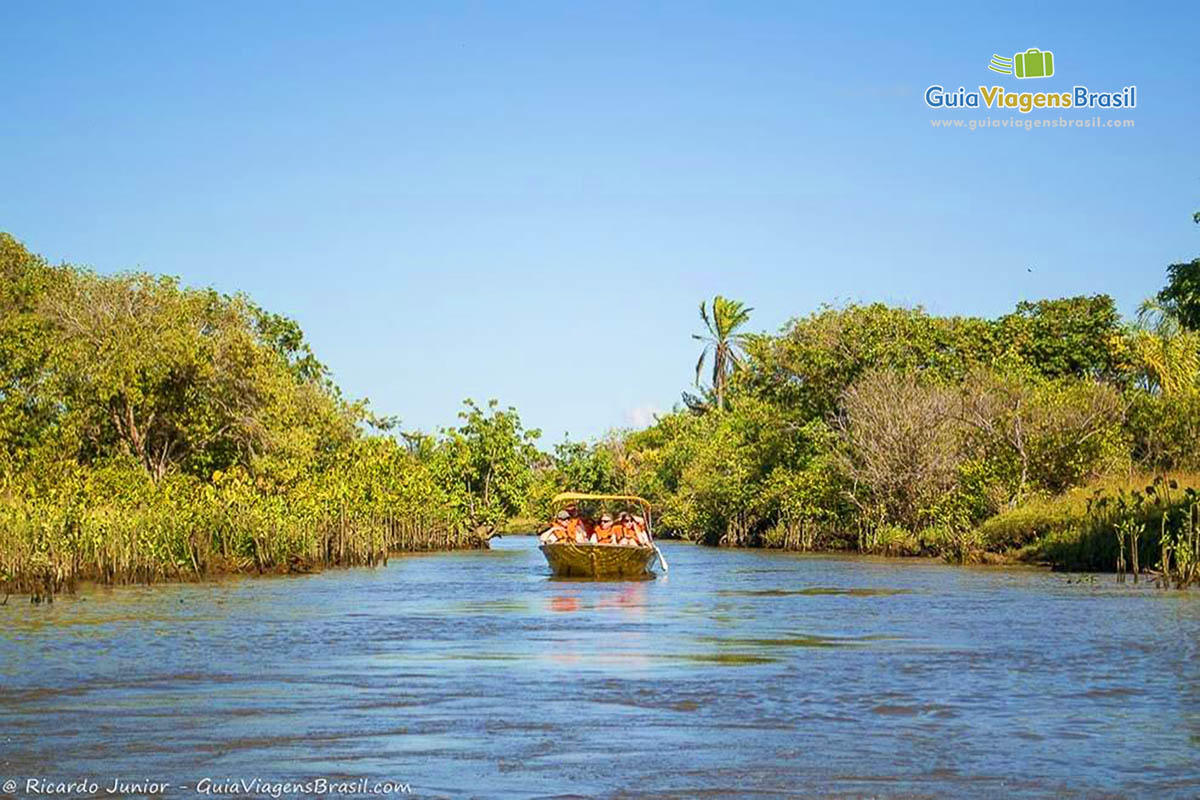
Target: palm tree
{"points": [[722, 340], [1168, 354]]}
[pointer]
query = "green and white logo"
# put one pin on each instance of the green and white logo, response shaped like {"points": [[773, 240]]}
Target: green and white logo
{"points": [[1033, 63]]}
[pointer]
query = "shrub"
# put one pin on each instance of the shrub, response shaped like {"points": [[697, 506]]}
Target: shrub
{"points": [[1020, 526], [1166, 430], [961, 545], [889, 540]]}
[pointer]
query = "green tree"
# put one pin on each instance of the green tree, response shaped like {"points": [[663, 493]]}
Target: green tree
{"points": [[817, 358], [1165, 353], [1181, 295], [28, 413], [1040, 434], [583, 467], [722, 341], [1165, 429], [488, 462], [157, 371], [1078, 337], [284, 336]]}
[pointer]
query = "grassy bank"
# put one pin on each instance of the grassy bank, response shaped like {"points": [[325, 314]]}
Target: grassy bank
{"points": [[1134, 525], [1131, 525], [522, 526], [48, 547]]}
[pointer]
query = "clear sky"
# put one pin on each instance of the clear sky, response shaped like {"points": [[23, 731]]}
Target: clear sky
{"points": [[528, 201]]}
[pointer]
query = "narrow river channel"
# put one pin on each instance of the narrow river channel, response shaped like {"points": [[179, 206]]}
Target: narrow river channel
{"points": [[739, 674]]}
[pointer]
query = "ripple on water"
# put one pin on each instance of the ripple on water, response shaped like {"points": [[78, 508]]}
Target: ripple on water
{"points": [[741, 674], [797, 640], [813, 591]]}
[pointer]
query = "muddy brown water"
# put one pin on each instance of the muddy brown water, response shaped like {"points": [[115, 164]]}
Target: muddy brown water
{"points": [[738, 674]]}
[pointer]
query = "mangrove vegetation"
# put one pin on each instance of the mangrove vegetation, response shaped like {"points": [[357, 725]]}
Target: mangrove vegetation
{"points": [[150, 431], [1058, 433], [153, 431]]}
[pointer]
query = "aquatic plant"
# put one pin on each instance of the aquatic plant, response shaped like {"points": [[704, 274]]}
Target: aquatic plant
{"points": [[1179, 543], [181, 528], [1110, 534]]}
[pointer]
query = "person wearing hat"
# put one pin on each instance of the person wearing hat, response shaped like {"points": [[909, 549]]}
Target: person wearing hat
{"points": [[579, 529], [559, 530]]}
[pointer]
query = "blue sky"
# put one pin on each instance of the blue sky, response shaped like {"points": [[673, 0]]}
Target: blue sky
{"points": [[528, 201]]}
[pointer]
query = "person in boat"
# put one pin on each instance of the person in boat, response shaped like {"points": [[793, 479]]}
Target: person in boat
{"points": [[579, 527], [566, 527], [605, 532], [627, 536], [559, 530], [640, 533]]}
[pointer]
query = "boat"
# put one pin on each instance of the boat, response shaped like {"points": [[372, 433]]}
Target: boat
{"points": [[572, 560], [575, 560]]}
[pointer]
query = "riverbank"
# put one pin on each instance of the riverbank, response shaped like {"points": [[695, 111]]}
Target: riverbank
{"points": [[522, 526], [153, 431], [1133, 523], [1122, 525], [46, 549]]}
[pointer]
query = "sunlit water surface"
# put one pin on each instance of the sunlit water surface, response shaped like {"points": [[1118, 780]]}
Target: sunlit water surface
{"points": [[739, 674]]}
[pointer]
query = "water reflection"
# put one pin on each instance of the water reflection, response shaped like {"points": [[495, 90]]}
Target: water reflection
{"points": [[565, 603], [812, 590], [627, 597]]}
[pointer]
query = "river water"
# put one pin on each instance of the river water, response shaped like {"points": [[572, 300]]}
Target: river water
{"points": [[739, 674]]}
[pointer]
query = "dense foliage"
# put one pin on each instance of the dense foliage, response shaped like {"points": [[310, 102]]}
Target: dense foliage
{"points": [[149, 430], [892, 430]]}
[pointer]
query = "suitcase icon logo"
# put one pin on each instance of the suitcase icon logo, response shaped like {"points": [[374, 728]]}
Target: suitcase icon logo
{"points": [[1033, 63]]}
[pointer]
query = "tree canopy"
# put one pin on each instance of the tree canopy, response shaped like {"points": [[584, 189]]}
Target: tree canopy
{"points": [[855, 421], [129, 395], [148, 427]]}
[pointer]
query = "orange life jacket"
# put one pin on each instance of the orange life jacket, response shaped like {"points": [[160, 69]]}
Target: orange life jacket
{"points": [[607, 536], [575, 527], [626, 531]]}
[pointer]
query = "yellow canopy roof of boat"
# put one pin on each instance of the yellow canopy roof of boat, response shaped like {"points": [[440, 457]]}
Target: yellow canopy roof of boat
{"points": [[565, 496]]}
